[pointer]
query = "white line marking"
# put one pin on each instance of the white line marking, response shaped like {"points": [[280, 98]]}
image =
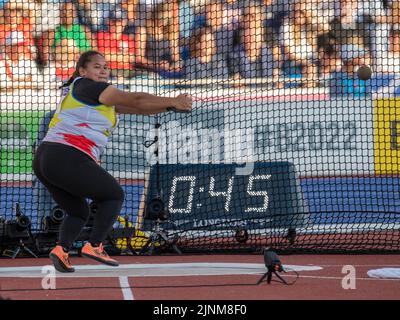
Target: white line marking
{"points": [[152, 270], [126, 290], [360, 265], [336, 278]]}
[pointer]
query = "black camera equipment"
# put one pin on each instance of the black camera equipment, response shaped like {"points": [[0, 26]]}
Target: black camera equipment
{"points": [[53, 221], [45, 242], [20, 230], [2, 227], [155, 209], [47, 239], [273, 265]]}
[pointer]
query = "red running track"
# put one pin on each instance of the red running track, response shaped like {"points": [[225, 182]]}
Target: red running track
{"points": [[322, 284]]}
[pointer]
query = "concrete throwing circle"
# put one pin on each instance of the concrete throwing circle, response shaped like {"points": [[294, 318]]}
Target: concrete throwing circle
{"points": [[149, 270]]}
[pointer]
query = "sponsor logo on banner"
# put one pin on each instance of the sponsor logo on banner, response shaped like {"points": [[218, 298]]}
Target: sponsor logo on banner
{"points": [[320, 138]]}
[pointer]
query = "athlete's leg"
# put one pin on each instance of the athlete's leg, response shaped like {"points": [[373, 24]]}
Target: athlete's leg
{"points": [[101, 187], [71, 170], [76, 207], [77, 216]]}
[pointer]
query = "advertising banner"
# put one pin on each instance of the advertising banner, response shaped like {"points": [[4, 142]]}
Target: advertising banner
{"points": [[387, 136]]}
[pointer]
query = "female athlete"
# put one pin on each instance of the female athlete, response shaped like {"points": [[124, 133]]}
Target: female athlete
{"points": [[67, 160]]}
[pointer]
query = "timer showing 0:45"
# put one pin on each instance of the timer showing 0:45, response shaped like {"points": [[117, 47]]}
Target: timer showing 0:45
{"points": [[211, 197], [183, 188]]}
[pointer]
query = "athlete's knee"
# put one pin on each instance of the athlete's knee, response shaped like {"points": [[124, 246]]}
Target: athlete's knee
{"points": [[85, 214], [117, 194], [82, 216], [79, 209], [112, 192]]}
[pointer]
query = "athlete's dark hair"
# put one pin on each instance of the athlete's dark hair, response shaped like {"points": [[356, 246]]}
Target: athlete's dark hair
{"points": [[82, 62]]}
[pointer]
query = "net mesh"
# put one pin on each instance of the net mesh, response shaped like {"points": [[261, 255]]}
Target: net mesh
{"points": [[292, 142]]}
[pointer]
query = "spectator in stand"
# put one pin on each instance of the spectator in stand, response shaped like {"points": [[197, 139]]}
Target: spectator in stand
{"points": [[346, 26], [2, 2], [62, 64], [186, 19], [71, 29], [94, 13], [274, 13], [328, 56], [17, 54], [131, 7], [298, 40], [224, 29], [146, 7], [375, 21], [394, 11], [118, 48], [369, 19], [25, 9], [193, 15], [17, 64], [186, 15], [321, 13], [346, 82], [394, 43], [252, 57], [16, 18], [392, 62], [233, 10], [158, 41], [139, 11], [46, 15], [204, 61]]}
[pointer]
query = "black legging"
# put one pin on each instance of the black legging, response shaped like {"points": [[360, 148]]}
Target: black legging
{"points": [[71, 177]]}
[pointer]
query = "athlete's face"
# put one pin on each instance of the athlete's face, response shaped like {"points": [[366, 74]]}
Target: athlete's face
{"points": [[96, 69]]}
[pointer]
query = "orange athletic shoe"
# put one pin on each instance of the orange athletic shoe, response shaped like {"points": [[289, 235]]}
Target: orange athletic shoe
{"points": [[61, 260], [98, 254]]}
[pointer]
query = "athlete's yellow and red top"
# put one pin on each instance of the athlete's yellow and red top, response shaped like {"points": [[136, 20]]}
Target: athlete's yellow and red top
{"points": [[82, 125]]}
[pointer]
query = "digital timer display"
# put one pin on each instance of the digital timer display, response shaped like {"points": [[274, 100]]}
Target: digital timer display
{"points": [[213, 197]]}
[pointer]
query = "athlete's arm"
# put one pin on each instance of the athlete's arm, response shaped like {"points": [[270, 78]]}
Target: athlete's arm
{"points": [[143, 103]]}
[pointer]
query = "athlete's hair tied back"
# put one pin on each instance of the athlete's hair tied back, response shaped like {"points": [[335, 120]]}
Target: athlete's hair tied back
{"points": [[82, 62]]}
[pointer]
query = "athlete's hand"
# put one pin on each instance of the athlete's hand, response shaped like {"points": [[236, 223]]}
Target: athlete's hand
{"points": [[183, 103]]}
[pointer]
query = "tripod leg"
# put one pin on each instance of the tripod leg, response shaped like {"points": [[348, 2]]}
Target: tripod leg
{"points": [[30, 252], [176, 249], [163, 236], [262, 278], [16, 253], [283, 280], [269, 277], [153, 242], [145, 247], [150, 244]]}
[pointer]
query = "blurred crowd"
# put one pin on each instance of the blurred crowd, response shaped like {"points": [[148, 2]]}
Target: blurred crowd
{"points": [[314, 40]]}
